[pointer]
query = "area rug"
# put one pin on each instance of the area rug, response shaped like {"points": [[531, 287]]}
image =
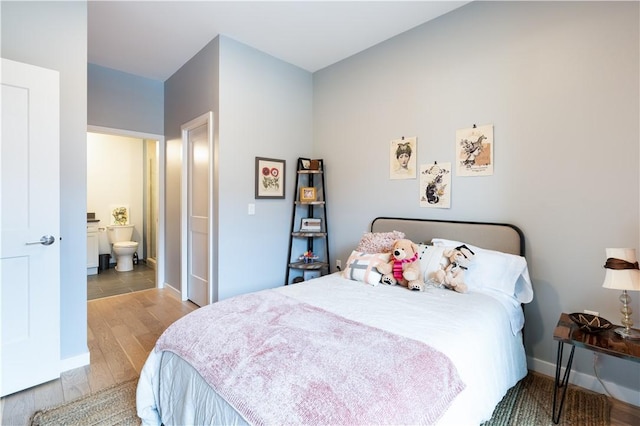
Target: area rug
{"points": [[115, 405], [528, 403]]}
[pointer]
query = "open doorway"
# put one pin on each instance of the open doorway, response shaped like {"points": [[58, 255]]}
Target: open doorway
{"points": [[124, 173]]}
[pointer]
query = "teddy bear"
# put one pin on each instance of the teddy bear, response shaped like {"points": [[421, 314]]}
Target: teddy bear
{"points": [[404, 266], [453, 274]]}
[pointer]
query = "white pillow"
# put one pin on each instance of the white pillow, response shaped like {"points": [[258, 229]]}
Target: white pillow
{"points": [[495, 270], [362, 267], [431, 260]]}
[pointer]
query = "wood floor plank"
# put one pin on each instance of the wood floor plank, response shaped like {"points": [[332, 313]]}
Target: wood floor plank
{"points": [[98, 373], [48, 394], [75, 384], [17, 407]]}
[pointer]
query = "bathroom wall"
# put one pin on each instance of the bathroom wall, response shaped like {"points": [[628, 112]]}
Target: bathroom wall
{"points": [[115, 173]]}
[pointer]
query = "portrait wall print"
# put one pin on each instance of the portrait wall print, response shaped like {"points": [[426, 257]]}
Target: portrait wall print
{"points": [[474, 151], [402, 158], [435, 185]]}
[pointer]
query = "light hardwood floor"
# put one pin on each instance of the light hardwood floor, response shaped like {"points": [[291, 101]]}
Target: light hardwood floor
{"points": [[121, 332]]}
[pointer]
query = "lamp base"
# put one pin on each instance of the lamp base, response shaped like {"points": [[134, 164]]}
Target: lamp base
{"points": [[630, 334]]}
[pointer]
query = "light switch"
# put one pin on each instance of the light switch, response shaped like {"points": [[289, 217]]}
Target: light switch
{"points": [[251, 209]]}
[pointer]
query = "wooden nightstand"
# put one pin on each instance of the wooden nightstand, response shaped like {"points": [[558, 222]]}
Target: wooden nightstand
{"points": [[606, 342]]}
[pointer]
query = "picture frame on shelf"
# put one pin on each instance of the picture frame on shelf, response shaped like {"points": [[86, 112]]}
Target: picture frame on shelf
{"points": [[270, 178], [311, 224], [308, 194]]}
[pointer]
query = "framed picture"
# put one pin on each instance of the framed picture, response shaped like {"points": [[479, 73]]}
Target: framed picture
{"points": [[307, 194], [270, 178], [311, 224]]}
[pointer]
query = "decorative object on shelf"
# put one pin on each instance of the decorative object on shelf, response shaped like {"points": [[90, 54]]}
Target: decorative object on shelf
{"points": [[435, 185], [308, 257], [622, 274], [402, 158], [474, 151], [308, 194], [311, 224], [314, 164], [590, 323], [270, 178]]}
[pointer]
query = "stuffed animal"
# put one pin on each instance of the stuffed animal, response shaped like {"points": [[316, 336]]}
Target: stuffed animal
{"points": [[453, 274], [404, 266]]}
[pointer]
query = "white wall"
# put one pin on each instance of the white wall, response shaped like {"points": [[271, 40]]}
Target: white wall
{"points": [[559, 81], [115, 174], [54, 35]]}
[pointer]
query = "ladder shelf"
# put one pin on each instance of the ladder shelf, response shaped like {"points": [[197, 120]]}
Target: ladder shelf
{"points": [[309, 230]]}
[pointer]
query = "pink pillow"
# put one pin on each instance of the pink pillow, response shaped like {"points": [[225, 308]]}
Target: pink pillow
{"points": [[379, 242]]}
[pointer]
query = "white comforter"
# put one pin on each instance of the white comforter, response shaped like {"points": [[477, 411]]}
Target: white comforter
{"points": [[474, 330]]}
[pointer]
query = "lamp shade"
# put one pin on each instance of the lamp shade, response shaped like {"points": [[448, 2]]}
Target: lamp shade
{"points": [[621, 269]]}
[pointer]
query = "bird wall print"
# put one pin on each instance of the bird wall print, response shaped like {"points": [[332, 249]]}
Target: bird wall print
{"points": [[474, 151]]}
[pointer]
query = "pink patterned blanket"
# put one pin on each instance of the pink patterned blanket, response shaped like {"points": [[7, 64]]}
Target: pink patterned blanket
{"points": [[280, 361]]}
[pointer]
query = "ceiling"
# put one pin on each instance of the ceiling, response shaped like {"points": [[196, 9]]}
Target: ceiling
{"points": [[154, 39]]}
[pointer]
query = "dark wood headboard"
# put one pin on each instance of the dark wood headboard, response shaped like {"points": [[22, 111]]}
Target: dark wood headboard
{"points": [[493, 236]]}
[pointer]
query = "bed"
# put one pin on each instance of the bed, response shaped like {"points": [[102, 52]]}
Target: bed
{"points": [[345, 349]]}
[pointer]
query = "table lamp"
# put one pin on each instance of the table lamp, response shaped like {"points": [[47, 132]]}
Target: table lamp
{"points": [[622, 274]]}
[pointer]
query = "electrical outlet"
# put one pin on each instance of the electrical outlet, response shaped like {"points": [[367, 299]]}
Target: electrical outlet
{"points": [[586, 311], [339, 264]]}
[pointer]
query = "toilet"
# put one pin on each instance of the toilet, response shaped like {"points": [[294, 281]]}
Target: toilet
{"points": [[123, 248]]}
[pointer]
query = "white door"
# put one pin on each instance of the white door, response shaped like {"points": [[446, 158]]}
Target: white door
{"points": [[29, 227], [197, 206]]}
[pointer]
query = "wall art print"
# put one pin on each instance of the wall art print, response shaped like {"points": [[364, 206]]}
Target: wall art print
{"points": [[402, 158], [435, 185], [474, 151], [119, 214], [270, 178]]}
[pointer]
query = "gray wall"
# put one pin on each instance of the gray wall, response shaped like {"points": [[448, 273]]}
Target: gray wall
{"points": [[559, 81], [265, 111], [189, 93], [262, 107], [54, 35], [123, 101]]}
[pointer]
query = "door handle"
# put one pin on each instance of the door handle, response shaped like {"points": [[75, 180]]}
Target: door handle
{"points": [[46, 240]]}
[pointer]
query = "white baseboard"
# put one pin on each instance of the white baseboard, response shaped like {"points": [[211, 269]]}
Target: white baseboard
{"points": [[75, 362], [174, 290], [586, 381]]}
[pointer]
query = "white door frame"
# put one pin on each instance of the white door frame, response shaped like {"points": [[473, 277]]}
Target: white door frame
{"points": [[206, 118], [161, 189]]}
